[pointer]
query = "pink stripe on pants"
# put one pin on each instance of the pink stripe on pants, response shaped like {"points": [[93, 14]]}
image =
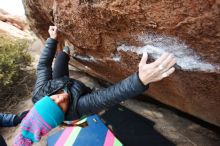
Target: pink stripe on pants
{"points": [[109, 139], [64, 136]]}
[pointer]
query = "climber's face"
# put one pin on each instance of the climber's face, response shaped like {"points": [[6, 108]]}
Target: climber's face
{"points": [[61, 99]]}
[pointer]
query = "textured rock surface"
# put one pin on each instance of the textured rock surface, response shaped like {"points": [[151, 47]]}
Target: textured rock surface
{"points": [[15, 26], [108, 38]]}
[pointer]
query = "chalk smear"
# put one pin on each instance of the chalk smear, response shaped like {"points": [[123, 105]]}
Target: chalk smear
{"points": [[116, 58], [156, 45], [88, 58], [85, 58]]}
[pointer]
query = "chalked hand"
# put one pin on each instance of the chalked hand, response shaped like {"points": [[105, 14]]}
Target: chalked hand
{"points": [[157, 70], [53, 32]]}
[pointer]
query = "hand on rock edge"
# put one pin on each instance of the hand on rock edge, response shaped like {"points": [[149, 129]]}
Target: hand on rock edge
{"points": [[157, 70], [53, 32]]}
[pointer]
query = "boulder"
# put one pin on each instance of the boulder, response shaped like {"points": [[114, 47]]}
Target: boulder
{"points": [[15, 26], [108, 38]]}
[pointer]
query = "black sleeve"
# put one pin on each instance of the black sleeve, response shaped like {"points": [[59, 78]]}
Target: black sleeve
{"points": [[7, 120], [105, 98], [44, 67]]}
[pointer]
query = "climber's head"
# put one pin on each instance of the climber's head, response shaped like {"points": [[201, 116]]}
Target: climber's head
{"points": [[61, 98]]}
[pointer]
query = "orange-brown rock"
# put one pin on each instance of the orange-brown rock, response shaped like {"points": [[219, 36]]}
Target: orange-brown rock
{"points": [[109, 37]]}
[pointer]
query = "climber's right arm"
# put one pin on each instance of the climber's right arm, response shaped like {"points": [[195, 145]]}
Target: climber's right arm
{"points": [[44, 67], [129, 87]]}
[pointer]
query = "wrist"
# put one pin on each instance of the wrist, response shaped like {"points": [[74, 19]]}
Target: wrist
{"points": [[54, 38], [141, 80], [51, 40]]}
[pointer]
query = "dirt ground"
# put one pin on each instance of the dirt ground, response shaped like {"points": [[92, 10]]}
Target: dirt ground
{"points": [[134, 122]]}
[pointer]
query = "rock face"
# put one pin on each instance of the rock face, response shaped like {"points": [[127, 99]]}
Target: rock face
{"points": [[15, 26], [108, 38]]}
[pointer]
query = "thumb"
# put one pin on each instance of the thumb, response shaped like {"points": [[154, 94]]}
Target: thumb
{"points": [[143, 59]]}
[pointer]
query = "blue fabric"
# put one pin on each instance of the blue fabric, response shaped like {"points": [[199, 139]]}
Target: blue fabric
{"points": [[7, 120], [49, 111], [94, 133], [53, 139]]}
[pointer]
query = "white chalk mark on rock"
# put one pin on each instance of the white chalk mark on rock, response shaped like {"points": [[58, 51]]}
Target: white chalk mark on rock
{"points": [[156, 45], [116, 58], [85, 58]]}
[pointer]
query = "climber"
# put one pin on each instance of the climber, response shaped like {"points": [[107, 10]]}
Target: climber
{"points": [[77, 99], [58, 97]]}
